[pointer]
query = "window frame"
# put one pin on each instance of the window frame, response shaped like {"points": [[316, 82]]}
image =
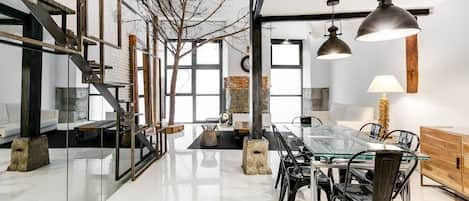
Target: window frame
{"points": [[298, 67], [194, 67]]}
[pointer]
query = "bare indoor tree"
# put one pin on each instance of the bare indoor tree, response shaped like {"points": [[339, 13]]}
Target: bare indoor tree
{"points": [[193, 20]]}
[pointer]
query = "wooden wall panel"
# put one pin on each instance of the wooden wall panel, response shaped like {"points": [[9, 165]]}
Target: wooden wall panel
{"points": [[133, 70], [412, 61]]}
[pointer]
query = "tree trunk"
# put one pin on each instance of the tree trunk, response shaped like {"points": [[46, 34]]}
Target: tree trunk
{"points": [[172, 95]]}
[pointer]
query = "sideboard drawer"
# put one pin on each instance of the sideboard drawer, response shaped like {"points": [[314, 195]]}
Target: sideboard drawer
{"points": [[445, 151]]}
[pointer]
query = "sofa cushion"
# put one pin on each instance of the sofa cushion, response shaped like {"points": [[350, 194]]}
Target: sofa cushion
{"points": [[337, 111], [358, 113], [10, 129], [47, 123], [14, 112], [3, 114]]}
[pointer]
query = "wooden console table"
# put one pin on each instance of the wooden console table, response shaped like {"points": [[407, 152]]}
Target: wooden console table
{"points": [[448, 148]]}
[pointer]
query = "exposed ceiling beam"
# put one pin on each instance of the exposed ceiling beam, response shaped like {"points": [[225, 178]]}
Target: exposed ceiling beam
{"points": [[258, 9], [12, 12], [328, 16], [10, 22]]}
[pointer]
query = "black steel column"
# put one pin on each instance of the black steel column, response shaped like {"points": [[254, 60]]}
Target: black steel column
{"points": [[31, 82], [255, 86]]}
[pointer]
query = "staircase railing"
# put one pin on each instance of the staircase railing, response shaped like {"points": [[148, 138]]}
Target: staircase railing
{"points": [[77, 47]]}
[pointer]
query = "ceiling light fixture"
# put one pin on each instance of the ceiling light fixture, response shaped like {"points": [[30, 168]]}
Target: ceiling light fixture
{"points": [[333, 48], [286, 42], [387, 22]]}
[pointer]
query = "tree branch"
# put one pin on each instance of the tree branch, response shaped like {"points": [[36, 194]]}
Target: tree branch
{"points": [[208, 17], [196, 10], [163, 11], [173, 11], [222, 28], [214, 39]]}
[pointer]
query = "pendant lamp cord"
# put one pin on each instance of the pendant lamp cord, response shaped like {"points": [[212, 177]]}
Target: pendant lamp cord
{"points": [[333, 14]]}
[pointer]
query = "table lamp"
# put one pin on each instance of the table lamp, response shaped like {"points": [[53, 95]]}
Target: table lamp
{"points": [[384, 84]]}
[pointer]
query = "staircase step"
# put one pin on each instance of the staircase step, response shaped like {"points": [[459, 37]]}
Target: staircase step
{"points": [[140, 136], [89, 42], [94, 64], [116, 84], [56, 8], [43, 16]]}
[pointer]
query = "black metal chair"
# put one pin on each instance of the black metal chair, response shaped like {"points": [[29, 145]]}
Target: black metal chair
{"points": [[301, 158], [406, 139], [294, 174], [374, 130], [386, 166], [307, 120]]}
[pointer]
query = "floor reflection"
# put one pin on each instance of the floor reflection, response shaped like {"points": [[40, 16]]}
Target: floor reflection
{"points": [[216, 175], [90, 177]]}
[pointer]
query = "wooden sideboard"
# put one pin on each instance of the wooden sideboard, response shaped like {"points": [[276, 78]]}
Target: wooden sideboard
{"points": [[449, 151]]}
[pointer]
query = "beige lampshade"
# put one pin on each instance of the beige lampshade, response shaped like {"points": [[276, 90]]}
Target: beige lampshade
{"points": [[385, 84]]}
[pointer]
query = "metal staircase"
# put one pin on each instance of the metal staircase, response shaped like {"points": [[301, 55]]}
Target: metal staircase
{"points": [[93, 73]]}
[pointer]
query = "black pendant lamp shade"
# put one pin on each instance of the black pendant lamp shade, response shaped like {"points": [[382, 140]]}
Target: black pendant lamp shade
{"points": [[387, 22], [334, 48]]}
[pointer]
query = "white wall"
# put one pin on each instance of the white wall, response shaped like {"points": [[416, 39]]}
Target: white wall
{"points": [[444, 83], [10, 78]]}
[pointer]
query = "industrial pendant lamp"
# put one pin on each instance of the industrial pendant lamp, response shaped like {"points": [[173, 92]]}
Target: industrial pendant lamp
{"points": [[387, 22], [333, 48]]}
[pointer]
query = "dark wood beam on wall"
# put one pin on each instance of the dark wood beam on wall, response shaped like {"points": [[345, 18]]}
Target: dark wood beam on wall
{"points": [[31, 81], [412, 62], [328, 16], [255, 86]]}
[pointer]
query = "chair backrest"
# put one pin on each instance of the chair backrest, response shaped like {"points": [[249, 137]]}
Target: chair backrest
{"points": [[283, 147], [307, 120], [387, 168], [407, 139], [374, 130]]}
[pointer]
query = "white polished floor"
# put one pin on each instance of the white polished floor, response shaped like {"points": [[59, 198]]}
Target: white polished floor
{"points": [[216, 175], [90, 177]]}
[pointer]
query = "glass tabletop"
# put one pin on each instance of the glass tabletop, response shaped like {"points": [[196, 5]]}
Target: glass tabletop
{"points": [[338, 141]]}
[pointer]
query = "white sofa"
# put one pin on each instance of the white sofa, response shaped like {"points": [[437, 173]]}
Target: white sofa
{"points": [[353, 116], [10, 117]]}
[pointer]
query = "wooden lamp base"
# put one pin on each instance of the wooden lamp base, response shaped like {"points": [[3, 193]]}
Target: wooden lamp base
{"points": [[384, 114]]}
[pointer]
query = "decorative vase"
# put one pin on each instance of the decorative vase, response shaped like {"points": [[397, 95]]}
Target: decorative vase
{"points": [[209, 136]]}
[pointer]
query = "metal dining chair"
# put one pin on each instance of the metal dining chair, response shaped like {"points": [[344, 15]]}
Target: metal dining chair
{"points": [[307, 120], [386, 165], [294, 174], [372, 129], [406, 139], [300, 158]]}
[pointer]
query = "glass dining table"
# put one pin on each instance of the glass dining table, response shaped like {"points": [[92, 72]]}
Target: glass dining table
{"points": [[337, 142]]}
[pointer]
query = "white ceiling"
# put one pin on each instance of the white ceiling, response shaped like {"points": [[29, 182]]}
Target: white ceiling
{"points": [[305, 7]]}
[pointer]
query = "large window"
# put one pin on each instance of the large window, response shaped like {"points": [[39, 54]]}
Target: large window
{"points": [[98, 106], [199, 80], [141, 89], [286, 80]]}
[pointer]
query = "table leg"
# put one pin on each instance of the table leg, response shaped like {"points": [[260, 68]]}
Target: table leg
{"points": [[405, 194], [314, 188]]}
